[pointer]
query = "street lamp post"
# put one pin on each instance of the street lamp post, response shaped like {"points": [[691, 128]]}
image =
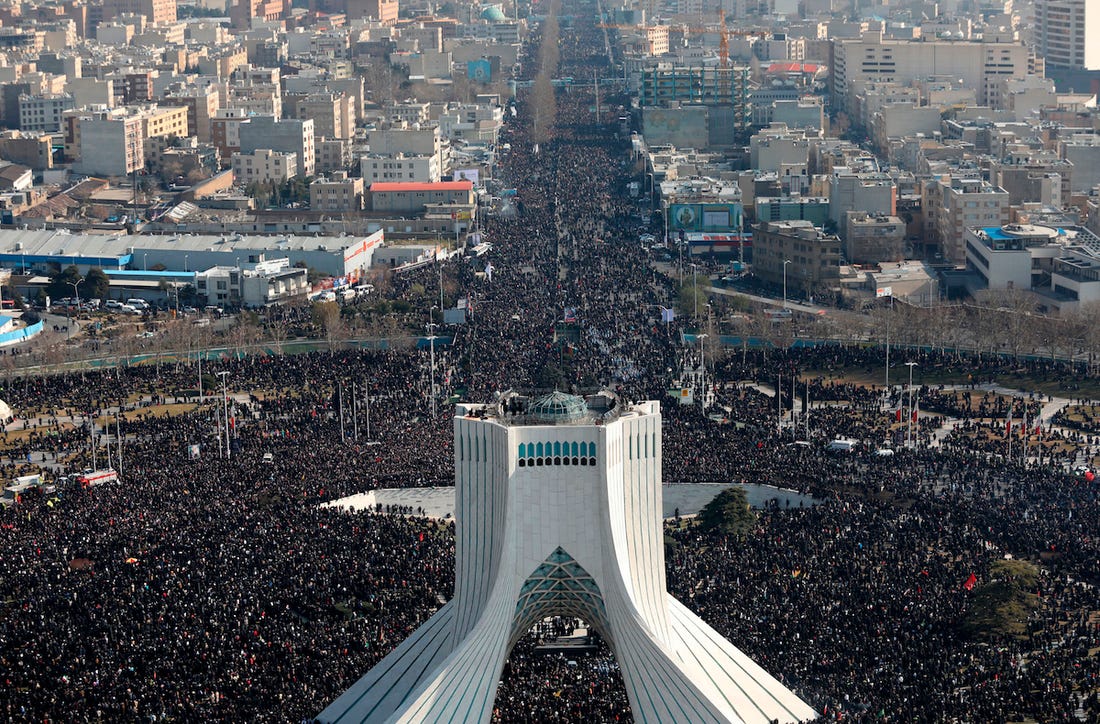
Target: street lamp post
{"points": [[75, 304], [909, 427], [430, 327], [225, 402], [785, 263], [186, 264], [695, 289], [703, 365]]}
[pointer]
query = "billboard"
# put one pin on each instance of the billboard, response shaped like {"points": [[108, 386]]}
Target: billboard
{"points": [[467, 174], [704, 217], [480, 70]]}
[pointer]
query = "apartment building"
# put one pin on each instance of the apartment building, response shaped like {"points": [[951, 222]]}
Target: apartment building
{"points": [[953, 204], [1067, 33], [43, 113], [264, 166], [338, 193], [290, 135], [982, 65], [399, 167], [796, 251]]}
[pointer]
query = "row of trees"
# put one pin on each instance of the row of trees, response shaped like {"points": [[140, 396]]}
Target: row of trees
{"points": [[93, 285], [996, 323]]}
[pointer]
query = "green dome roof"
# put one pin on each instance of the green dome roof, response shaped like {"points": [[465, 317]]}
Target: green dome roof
{"points": [[557, 407], [493, 14]]}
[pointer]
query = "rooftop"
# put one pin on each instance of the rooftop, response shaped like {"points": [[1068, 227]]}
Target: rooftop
{"points": [[549, 408], [420, 186]]}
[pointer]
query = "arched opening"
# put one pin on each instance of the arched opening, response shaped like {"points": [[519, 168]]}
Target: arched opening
{"points": [[559, 667], [561, 670]]}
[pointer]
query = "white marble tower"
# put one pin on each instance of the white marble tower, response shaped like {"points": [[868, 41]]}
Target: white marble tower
{"points": [[558, 512]]}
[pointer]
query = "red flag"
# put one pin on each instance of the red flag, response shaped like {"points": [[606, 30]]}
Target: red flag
{"points": [[914, 415], [897, 415], [971, 582], [233, 422]]}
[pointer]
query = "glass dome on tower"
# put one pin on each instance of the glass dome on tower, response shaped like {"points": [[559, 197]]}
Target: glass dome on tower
{"points": [[557, 407]]}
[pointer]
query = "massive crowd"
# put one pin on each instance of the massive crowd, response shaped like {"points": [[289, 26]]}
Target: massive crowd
{"points": [[202, 587]]}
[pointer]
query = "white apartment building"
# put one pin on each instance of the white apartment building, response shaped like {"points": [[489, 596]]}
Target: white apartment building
{"points": [[374, 168], [111, 143], [1083, 151], [982, 66], [43, 113], [264, 166]]}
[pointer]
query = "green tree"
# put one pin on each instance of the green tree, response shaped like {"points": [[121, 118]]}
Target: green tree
{"points": [[728, 513], [61, 282], [96, 285], [1002, 606], [692, 297]]}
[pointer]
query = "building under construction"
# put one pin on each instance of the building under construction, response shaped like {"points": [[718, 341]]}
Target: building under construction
{"points": [[706, 105]]}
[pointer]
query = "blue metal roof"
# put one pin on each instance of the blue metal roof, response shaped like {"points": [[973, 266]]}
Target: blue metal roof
{"points": [[135, 273]]}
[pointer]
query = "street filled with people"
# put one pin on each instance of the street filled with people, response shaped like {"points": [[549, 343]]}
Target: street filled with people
{"points": [[208, 584]]}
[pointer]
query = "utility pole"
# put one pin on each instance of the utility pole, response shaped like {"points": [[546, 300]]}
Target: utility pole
{"points": [[355, 411], [225, 402], [741, 240], [888, 315], [91, 438], [596, 83], [430, 326], [118, 430], [806, 411], [340, 402], [779, 402], [441, 277], [909, 430], [368, 412]]}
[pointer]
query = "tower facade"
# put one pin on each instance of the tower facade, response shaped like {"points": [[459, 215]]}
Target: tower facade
{"points": [[558, 512], [1066, 33]]}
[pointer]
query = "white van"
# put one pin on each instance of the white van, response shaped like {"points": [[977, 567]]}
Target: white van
{"points": [[841, 445], [139, 304]]}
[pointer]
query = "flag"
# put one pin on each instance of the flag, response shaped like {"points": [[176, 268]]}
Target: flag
{"points": [[667, 314], [971, 582], [916, 409], [897, 415], [1008, 419]]}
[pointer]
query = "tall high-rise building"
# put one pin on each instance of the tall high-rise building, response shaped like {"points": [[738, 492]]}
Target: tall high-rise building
{"points": [[558, 506], [242, 12], [155, 11], [1067, 33]]}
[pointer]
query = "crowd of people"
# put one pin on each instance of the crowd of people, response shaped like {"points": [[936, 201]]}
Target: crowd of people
{"points": [[208, 584]]}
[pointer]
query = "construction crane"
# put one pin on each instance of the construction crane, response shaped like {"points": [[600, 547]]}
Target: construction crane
{"points": [[724, 33]]}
